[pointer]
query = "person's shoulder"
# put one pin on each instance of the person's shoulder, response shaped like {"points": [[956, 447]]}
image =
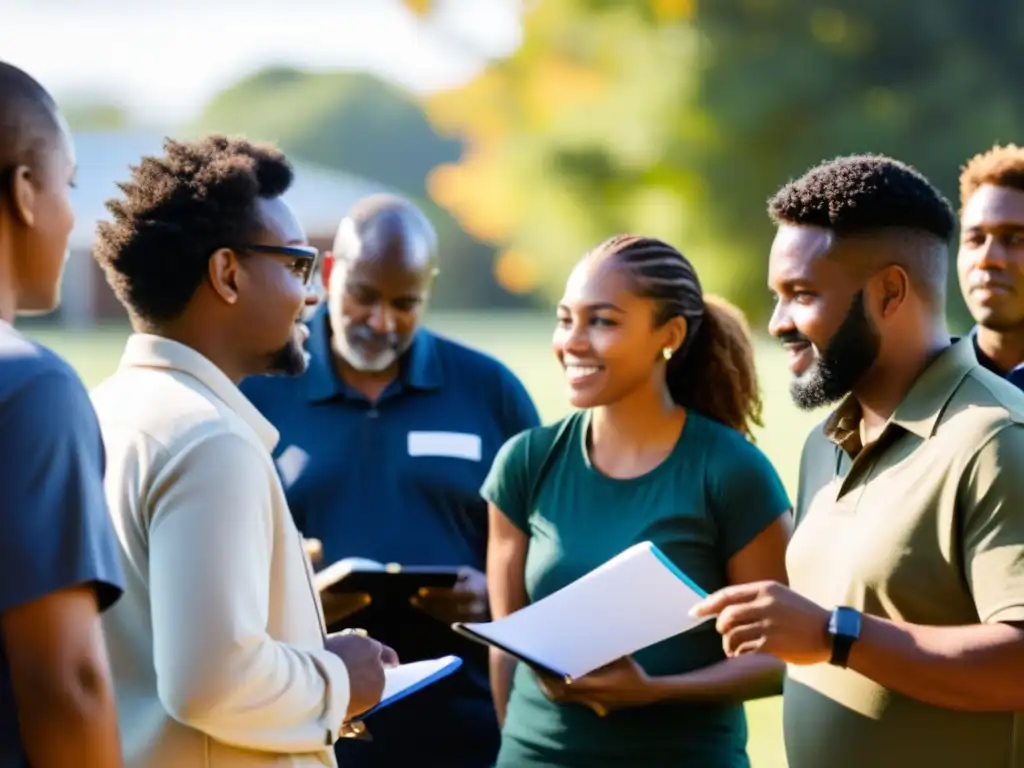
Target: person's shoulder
{"points": [[163, 406], [26, 364], [535, 443], [22, 360], [729, 455], [456, 356], [983, 405], [723, 443], [262, 389]]}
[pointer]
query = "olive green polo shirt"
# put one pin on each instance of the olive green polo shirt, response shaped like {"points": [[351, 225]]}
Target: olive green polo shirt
{"points": [[926, 525]]}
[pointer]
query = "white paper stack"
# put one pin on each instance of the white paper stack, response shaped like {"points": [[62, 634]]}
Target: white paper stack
{"points": [[634, 600]]}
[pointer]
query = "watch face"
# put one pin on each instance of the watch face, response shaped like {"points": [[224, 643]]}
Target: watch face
{"points": [[845, 622]]}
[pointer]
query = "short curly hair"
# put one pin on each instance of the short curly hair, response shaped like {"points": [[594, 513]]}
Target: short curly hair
{"points": [[176, 211], [1002, 166], [859, 194]]}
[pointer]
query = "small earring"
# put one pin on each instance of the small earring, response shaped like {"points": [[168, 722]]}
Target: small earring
{"points": [[667, 353]]}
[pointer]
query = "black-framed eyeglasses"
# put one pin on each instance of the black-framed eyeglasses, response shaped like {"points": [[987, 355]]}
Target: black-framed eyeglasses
{"points": [[306, 257]]}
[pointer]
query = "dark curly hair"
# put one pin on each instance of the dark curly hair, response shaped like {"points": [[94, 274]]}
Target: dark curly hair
{"points": [[1002, 166], [713, 372], [176, 211], [869, 194]]}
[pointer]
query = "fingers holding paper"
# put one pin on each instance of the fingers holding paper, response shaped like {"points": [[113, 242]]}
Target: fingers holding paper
{"points": [[466, 601], [618, 685], [768, 617], [314, 550], [365, 659]]}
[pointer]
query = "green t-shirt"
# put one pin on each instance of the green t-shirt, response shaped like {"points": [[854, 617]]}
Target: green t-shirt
{"points": [[712, 495]]}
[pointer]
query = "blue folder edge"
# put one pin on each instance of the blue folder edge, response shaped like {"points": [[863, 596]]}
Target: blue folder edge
{"points": [[675, 570], [443, 672]]}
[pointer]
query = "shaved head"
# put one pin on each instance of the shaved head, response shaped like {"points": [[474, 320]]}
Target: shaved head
{"points": [[29, 123], [378, 280], [389, 228], [37, 165]]}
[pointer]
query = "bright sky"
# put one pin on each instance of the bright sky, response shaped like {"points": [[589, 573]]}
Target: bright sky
{"points": [[163, 59]]}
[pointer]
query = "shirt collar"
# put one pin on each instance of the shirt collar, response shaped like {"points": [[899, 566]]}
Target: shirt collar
{"points": [[420, 366], [148, 351], [921, 407], [1014, 376]]}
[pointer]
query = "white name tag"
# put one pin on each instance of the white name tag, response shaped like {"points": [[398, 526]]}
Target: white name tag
{"points": [[453, 445], [290, 464]]}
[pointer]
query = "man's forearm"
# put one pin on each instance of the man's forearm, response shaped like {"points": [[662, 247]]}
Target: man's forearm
{"points": [[977, 668], [744, 678]]}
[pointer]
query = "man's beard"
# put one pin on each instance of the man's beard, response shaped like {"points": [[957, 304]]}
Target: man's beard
{"points": [[850, 353], [353, 345], [289, 360]]}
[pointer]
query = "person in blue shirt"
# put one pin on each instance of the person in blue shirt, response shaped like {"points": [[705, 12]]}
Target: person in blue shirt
{"points": [[58, 555], [385, 440], [990, 263]]}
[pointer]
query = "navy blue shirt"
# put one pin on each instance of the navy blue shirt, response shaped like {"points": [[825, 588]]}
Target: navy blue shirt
{"points": [[1015, 377], [55, 532], [399, 481]]}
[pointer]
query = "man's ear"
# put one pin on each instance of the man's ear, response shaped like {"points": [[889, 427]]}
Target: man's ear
{"points": [[225, 274], [23, 195], [892, 287]]}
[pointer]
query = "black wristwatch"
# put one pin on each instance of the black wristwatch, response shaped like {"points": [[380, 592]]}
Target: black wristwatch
{"points": [[844, 628]]}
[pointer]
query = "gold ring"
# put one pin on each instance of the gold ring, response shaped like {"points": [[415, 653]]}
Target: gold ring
{"points": [[360, 632]]}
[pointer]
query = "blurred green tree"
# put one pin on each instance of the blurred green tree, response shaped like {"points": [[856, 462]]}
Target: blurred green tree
{"points": [[358, 124], [350, 121], [83, 114], [678, 121]]}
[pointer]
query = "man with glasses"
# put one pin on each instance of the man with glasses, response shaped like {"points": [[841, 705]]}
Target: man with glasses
{"points": [[219, 650], [58, 554]]}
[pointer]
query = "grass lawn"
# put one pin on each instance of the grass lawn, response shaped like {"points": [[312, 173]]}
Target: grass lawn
{"points": [[522, 343]]}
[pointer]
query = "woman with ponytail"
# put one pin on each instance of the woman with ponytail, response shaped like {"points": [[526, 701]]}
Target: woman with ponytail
{"points": [[660, 450]]}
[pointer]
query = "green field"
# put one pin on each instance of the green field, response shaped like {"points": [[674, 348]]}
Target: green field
{"points": [[522, 343]]}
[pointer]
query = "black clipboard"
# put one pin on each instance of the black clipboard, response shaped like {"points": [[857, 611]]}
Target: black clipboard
{"points": [[391, 582]]}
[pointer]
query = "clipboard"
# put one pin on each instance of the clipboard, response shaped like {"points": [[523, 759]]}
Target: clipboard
{"points": [[383, 582], [634, 600], [407, 679]]}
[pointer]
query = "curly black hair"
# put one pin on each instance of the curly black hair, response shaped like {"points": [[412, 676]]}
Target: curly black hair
{"points": [[859, 194], [1001, 166], [176, 211]]}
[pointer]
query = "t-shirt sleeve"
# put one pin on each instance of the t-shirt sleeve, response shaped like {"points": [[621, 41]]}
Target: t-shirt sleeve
{"points": [[520, 413], [55, 531], [747, 495], [992, 526], [507, 485]]}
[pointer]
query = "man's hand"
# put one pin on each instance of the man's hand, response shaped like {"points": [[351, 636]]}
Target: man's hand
{"points": [[618, 685], [365, 659], [338, 606], [314, 550], [466, 601], [767, 617]]}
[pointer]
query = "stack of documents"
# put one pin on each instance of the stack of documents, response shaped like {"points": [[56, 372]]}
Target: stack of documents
{"points": [[634, 600]]}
